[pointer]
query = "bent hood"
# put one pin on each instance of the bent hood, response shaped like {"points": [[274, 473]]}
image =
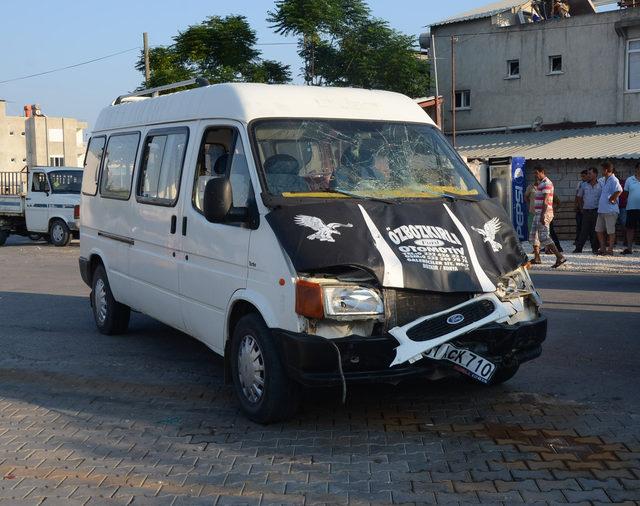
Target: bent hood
{"points": [[457, 246]]}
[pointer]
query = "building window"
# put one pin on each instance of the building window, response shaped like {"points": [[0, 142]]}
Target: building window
{"points": [[513, 68], [555, 64], [633, 65], [463, 99], [56, 161]]}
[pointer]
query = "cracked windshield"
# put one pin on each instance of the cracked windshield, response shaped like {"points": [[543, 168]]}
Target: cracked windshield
{"points": [[368, 159]]}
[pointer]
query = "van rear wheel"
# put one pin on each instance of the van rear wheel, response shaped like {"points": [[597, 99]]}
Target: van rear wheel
{"points": [[59, 233], [260, 382], [110, 316]]}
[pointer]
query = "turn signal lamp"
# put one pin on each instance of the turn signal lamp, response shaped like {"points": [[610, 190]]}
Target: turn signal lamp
{"points": [[309, 299], [76, 212]]}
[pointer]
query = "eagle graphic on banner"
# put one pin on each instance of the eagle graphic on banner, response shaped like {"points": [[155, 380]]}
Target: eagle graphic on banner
{"points": [[323, 232], [489, 231]]}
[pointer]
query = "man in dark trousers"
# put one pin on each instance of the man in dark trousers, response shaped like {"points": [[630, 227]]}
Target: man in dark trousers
{"points": [[588, 197]]}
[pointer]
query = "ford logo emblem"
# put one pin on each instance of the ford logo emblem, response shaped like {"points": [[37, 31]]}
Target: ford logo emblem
{"points": [[454, 319]]}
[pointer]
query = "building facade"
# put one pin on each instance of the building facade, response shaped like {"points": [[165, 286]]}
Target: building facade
{"points": [[534, 85], [36, 139]]}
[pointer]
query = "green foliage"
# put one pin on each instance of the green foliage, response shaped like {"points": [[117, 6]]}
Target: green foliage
{"points": [[221, 49], [342, 45]]}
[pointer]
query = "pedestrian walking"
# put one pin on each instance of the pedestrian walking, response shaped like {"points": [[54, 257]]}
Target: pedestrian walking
{"points": [[578, 209], [530, 199], [632, 191], [608, 210], [542, 219], [589, 198]]}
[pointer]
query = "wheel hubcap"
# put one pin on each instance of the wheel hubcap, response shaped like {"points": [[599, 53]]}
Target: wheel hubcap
{"points": [[251, 369], [100, 301], [57, 233]]}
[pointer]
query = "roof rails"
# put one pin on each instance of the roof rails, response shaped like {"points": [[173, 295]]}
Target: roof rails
{"points": [[154, 92]]}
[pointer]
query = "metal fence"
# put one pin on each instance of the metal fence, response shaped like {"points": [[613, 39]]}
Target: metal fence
{"points": [[12, 183]]}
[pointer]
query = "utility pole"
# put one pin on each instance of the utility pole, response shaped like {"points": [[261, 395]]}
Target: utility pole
{"points": [[147, 66], [453, 90]]}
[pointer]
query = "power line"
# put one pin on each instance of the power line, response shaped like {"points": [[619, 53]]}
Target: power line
{"points": [[70, 66]]}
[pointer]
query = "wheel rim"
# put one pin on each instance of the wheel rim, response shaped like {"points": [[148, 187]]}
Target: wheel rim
{"points": [[100, 301], [251, 369], [57, 233]]}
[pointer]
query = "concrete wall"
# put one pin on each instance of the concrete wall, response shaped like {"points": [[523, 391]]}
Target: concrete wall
{"points": [[33, 141], [565, 175], [590, 89]]}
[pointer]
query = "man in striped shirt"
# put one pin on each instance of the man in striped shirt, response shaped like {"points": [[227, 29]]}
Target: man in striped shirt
{"points": [[542, 219]]}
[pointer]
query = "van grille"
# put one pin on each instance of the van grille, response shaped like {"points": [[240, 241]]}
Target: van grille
{"points": [[439, 326], [405, 306]]}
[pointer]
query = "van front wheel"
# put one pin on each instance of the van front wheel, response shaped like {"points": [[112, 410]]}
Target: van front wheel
{"points": [[265, 392], [111, 317]]}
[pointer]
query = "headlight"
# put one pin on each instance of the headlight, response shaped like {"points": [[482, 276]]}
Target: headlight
{"points": [[516, 284], [351, 301]]}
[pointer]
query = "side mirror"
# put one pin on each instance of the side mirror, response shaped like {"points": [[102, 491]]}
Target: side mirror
{"points": [[217, 200]]}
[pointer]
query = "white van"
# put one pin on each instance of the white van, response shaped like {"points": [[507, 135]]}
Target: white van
{"points": [[311, 236]]}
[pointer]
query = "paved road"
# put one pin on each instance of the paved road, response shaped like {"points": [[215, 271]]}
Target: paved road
{"points": [[146, 419]]}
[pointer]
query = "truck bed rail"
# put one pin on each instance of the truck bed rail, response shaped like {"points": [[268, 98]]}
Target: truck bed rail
{"points": [[13, 183]]}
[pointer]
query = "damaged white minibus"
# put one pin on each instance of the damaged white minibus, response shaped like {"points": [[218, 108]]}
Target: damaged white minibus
{"points": [[311, 236]]}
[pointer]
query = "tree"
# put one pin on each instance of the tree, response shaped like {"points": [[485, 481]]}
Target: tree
{"points": [[342, 45], [221, 49]]}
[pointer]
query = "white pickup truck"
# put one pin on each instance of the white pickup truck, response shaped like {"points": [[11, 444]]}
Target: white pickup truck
{"points": [[43, 202]]}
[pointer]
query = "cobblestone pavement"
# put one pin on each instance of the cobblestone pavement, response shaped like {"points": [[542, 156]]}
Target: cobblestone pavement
{"points": [[146, 419]]}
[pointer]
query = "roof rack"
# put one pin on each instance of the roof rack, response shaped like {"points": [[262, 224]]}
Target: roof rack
{"points": [[154, 92]]}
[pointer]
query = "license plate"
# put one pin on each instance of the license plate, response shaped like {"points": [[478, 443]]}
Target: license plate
{"points": [[465, 361]]}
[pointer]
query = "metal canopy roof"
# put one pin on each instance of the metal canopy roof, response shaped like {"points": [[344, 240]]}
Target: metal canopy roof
{"points": [[578, 144], [577, 7]]}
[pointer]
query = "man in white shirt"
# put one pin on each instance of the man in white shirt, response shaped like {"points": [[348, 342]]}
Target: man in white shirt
{"points": [[608, 210], [632, 188]]}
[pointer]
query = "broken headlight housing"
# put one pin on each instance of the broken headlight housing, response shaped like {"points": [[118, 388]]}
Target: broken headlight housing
{"points": [[516, 284], [351, 301]]}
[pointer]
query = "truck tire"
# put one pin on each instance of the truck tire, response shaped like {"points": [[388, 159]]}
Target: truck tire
{"points": [[4, 234], [260, 382], [110, 316], [59, 233]]}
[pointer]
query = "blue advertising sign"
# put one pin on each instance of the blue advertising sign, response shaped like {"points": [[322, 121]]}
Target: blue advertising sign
{"points": [[519, 208]]}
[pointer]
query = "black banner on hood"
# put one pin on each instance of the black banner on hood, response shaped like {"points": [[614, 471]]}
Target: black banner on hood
{"points": [[458, 246]]}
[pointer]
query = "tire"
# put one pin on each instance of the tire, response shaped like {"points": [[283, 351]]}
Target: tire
{"points": [[110, 316], [59, 233], [4, 234], [255, 362]]}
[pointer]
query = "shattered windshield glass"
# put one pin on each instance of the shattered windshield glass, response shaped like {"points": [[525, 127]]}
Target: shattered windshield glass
{"points": [[368, 159]]}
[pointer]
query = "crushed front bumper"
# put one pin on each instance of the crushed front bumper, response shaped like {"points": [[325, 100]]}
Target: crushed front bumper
{"points": [[313, 360]]}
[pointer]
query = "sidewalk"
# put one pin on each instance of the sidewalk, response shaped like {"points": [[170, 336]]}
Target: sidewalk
{"points": [[587, 262]]}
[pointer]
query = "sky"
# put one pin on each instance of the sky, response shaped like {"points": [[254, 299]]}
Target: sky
{"points": [[41, 35]]}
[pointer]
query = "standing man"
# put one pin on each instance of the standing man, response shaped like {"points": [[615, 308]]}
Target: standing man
{"points": [[588, 199], [608, 210], [583, 179], [632, 190], [542, 219]]}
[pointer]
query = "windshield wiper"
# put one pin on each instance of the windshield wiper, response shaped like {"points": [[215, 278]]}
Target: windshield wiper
{"points": [[449, 196], [355, 195]]}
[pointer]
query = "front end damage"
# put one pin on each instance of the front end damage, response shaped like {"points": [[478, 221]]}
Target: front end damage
{"points": [[356, 332]]}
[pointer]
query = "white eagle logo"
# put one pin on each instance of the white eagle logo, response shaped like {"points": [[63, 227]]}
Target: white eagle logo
{"points": [[323, 232], [489, 231]]}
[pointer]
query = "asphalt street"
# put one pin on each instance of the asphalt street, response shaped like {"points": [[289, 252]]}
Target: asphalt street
{"points": [[146, 417]]}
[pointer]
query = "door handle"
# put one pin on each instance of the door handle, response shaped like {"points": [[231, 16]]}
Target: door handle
{"points": [[184, 225], [174, 221]]}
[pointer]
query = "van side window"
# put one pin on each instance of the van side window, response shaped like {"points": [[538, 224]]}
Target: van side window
{"points": [[39, 183], [92, 161], [222, 154], [119, 161], [161, 168]]}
